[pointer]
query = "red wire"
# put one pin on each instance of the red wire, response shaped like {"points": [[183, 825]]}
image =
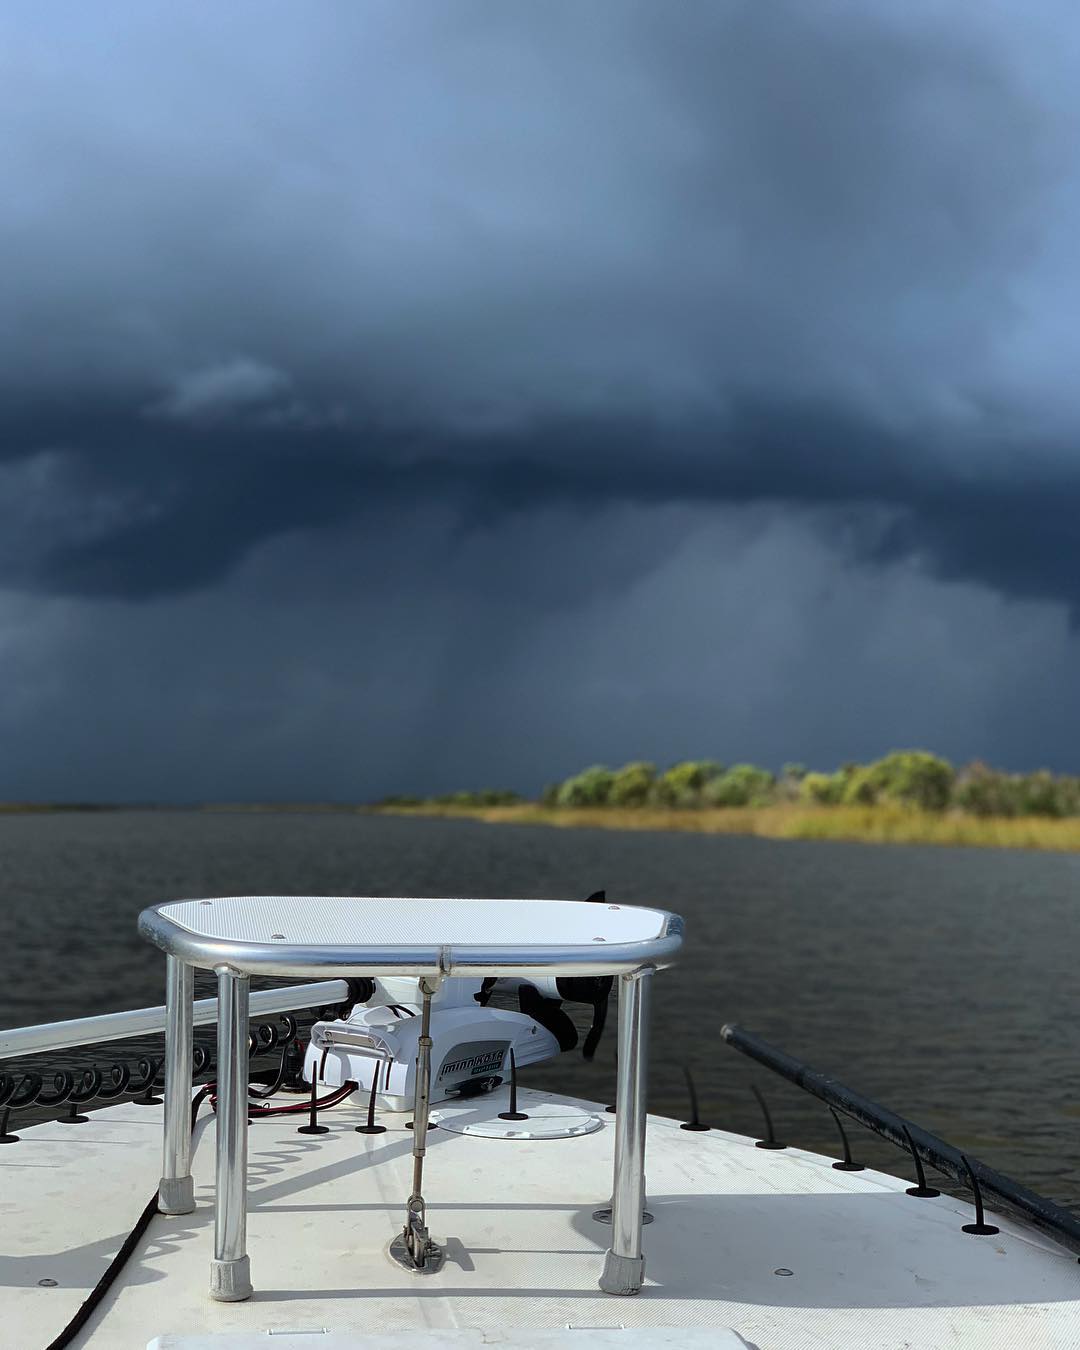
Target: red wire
{"points": [[334, 1098], [294, 1108]]}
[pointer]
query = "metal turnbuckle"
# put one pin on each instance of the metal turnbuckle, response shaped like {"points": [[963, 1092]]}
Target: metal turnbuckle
{"points": [[413, 1247]]}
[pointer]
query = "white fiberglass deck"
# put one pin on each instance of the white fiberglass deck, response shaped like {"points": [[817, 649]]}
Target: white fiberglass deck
{"points": [[869, 1265]]}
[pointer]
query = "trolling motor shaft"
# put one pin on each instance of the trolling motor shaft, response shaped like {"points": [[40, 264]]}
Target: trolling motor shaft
{"points": [[413, 1248]]}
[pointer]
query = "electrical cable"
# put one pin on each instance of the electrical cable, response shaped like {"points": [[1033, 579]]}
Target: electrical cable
{"points": [[300, 1107]]}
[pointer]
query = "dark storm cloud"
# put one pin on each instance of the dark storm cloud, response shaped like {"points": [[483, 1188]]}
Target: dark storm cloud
{"points": [[184, 514], [282, 269], [397, 394]]}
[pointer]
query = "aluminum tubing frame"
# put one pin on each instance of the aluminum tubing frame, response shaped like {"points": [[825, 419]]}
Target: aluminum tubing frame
{"points": [[230, 1270], [624, 1265], [176, 1191], [118, 1026]]}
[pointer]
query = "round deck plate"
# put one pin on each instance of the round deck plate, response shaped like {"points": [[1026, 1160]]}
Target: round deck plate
{"points": [[546, 1119]]}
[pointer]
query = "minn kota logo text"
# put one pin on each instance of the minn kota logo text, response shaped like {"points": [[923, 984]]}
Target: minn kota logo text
{"points": [[470, 1060]]}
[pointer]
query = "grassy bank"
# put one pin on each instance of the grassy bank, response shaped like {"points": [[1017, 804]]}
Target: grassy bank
{"points": [[871, 824]]}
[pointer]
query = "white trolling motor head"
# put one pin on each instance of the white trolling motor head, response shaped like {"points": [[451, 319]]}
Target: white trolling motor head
{"points": [[470, 1051], [376, 1044]]}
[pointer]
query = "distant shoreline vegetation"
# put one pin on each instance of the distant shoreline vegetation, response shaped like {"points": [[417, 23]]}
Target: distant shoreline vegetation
{"points": [[908, 778], [908, 796]]}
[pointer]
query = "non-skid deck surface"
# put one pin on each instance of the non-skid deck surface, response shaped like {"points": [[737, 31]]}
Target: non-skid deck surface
{"points": [[869, 1265], [396, 922]]}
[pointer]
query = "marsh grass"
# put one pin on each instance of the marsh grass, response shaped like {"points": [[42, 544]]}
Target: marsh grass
{"points": [[868, 824]]}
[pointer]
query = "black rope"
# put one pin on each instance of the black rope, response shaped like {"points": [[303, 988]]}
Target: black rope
{"points": [[116, 1265], [105, 1283]]}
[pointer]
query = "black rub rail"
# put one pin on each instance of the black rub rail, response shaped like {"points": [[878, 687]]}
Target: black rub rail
{"points": [[1008, 1196]]}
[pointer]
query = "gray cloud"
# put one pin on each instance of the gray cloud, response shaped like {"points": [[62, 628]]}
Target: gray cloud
{"points": [[215, 392]]}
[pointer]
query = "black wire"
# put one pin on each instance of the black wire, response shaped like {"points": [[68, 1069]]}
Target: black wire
{"points": [[118, 1262]]}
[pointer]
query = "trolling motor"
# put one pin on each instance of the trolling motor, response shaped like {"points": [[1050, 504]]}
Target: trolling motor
{"points": [[410, 1043]]}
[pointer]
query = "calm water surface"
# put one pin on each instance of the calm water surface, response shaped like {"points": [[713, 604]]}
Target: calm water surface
{"points": [[941, 983]]}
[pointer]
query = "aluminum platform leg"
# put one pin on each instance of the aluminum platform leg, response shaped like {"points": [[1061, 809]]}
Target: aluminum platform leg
{"points": [[176, 1190], [624, 1265], [230, 1270]]}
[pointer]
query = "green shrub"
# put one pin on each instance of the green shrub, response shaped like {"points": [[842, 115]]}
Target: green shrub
{"points": [[632, 784], [910, 777], [741, 785], [917, 778], [987, 792], [841, 778], [1069, 795], [1041, 794], [862, 788], [823, 789], [591, 787], [682, 784]]}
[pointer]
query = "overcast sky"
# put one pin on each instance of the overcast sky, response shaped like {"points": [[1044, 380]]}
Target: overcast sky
{"points": [[401, 396]]}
